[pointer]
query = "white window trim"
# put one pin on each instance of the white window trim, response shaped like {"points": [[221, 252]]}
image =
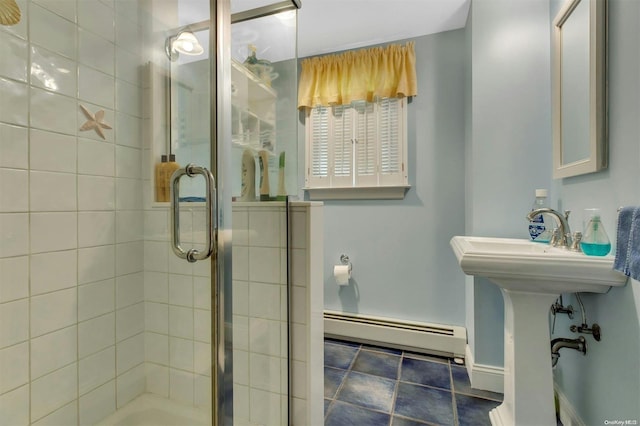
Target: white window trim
{"points": [[376, 186]]}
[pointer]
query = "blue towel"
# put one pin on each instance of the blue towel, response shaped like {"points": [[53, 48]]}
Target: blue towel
{"points": [[627, 258], [192, 199]]}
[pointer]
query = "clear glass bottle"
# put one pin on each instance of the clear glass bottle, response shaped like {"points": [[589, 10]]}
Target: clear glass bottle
{"points": [[595, 241], [539, 229]]}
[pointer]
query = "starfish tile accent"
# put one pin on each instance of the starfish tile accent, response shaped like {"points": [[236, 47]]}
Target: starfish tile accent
{"points": [[9, 12], [95, 122]]}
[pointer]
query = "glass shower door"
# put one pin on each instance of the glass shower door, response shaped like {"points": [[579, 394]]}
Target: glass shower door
{"points": [[99, 322], [263, 172], [255, 130], [183, 82]]}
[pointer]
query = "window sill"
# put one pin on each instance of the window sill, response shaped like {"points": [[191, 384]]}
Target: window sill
{"points": [[359, 193]]}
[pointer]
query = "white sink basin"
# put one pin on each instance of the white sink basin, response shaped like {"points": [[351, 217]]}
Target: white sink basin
{"points": [[524, 265], [531, 276]]}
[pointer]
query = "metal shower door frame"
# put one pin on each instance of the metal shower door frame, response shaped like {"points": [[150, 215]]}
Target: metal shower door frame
{"points": [[220, 153]]}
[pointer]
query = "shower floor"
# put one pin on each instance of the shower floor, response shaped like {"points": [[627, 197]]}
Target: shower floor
{"points": [[368, 385], [154, 410], [363, 385]]}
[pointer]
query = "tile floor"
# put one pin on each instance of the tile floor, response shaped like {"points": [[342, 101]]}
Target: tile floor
{"points": [[370, 386]]}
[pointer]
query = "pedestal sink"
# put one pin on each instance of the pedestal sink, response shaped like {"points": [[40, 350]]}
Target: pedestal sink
{"points": [[531, 276]]}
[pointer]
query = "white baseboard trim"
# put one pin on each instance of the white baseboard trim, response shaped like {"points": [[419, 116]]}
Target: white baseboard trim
{"points": [[485, 377], [568, 414], [439, 339]]}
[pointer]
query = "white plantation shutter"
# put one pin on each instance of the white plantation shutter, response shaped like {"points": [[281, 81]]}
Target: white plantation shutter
{"points": [[318, 147], [360, 145], [342, 132], [391, 142], [366, 144]]}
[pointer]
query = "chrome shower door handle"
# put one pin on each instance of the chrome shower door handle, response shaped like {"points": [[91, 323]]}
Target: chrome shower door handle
{"points": [[191, 170]]}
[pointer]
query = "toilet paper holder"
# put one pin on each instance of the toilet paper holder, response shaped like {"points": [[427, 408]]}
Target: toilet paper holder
{"points": [[344, 259]]}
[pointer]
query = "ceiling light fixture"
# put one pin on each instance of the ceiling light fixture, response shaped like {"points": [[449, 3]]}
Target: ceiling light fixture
{"points": [[184, 42]]}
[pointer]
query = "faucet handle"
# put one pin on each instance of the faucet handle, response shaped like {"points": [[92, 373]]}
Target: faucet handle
{"points": [[568, 240], [575, 245], [555, 237], [566, 214]]}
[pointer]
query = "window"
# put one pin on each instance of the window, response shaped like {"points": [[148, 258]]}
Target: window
{"points": [[357, 150]]}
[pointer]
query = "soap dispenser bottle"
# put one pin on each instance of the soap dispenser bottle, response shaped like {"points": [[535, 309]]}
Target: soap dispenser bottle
{"points": [[595, 241], [539, 229]]}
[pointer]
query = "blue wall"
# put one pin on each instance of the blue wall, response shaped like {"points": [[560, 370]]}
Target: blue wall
{"points": [[509, 155], [508, 145], [605, 384], [479, 145], [403, 266]]}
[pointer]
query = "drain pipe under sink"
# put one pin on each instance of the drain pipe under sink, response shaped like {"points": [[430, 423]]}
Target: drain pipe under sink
{"points": [[579, 344]]}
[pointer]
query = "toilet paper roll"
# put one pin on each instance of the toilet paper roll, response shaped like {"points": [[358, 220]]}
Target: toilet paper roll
{"points": [[342, 273]]}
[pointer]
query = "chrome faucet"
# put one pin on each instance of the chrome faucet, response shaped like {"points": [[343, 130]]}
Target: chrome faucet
{"points": [[563, 236]]}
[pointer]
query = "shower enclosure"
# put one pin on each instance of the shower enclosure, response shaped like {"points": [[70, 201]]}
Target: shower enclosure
{"points": [[100, 321]]}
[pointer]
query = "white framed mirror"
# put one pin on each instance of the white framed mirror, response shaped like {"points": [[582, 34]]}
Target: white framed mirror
{"points": [[579, 88]]}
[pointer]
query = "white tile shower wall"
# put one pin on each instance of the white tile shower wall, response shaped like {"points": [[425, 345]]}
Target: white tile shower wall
{"points": [[177, 336], [177, 312], [71, 221], [260, 313]]}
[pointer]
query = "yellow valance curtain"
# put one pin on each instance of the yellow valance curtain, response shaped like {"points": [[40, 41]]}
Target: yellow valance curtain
{"points": [[367, 74]]}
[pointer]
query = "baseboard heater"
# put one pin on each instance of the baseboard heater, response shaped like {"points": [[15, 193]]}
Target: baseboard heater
{"points": [[436, 339]]}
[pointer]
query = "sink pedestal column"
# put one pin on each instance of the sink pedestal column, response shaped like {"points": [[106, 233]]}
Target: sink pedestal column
{"points": [[528, 379]]}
